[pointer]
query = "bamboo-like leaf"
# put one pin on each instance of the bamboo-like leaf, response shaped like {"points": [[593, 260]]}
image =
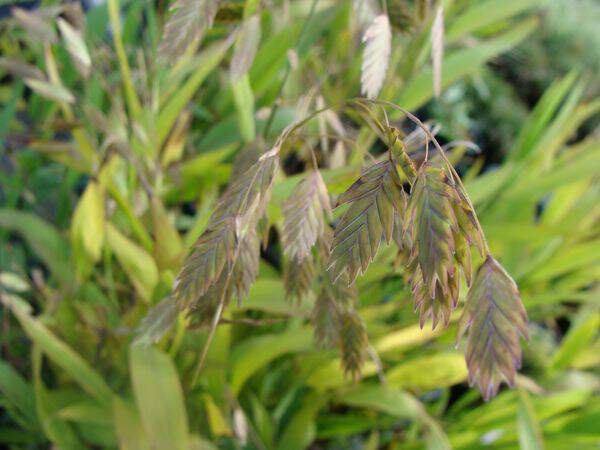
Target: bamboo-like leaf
{"points": [[87, 225], [136, 262], [189, 21], [495, 317], [234, 219], [376, 56], [373, 198], [437, 49], [168, 247], [304, 215], [353, 343]]}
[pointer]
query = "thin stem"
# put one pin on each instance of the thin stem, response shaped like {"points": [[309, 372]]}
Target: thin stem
{"points": [[288, 69]]}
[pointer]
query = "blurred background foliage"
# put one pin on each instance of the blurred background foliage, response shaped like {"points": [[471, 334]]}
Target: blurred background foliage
{"points": [[111, 162]]}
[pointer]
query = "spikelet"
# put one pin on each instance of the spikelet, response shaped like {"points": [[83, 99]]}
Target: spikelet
{"points": [[189, 21], [353, 343], [332, 301], [431, 222], [437, 49], [440, 228], [298, 275], [373, 198], [376, 57], [398, 149], [230, 229], [495, 317], [304, 225], [304, 214]]}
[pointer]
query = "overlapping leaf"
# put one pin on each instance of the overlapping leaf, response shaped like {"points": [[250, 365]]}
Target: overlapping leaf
{"points": [[495, 317], [373, 198], [189, 21]]}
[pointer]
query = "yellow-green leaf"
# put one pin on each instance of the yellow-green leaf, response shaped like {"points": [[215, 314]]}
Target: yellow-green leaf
{"points": [[159, 398], [136, 262]]}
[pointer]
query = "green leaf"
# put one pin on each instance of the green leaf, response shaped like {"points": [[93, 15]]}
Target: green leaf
{"points": [[58, 352], [254, 354], [541, 115], [128, 427], [384, 399], [419, 89], [207, 61], [398, 404], [137, 263], [45, 240], [57, 430], [18, 393], [530, 433], [87, 226], [159, 398], [86, 412], [244, 103], [429, 372], [581, 333], [482, 14], [168, 247], [300, 432]]}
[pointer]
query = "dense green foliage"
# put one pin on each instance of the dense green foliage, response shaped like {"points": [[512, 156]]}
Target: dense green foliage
{"points": [[116, 144]]}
